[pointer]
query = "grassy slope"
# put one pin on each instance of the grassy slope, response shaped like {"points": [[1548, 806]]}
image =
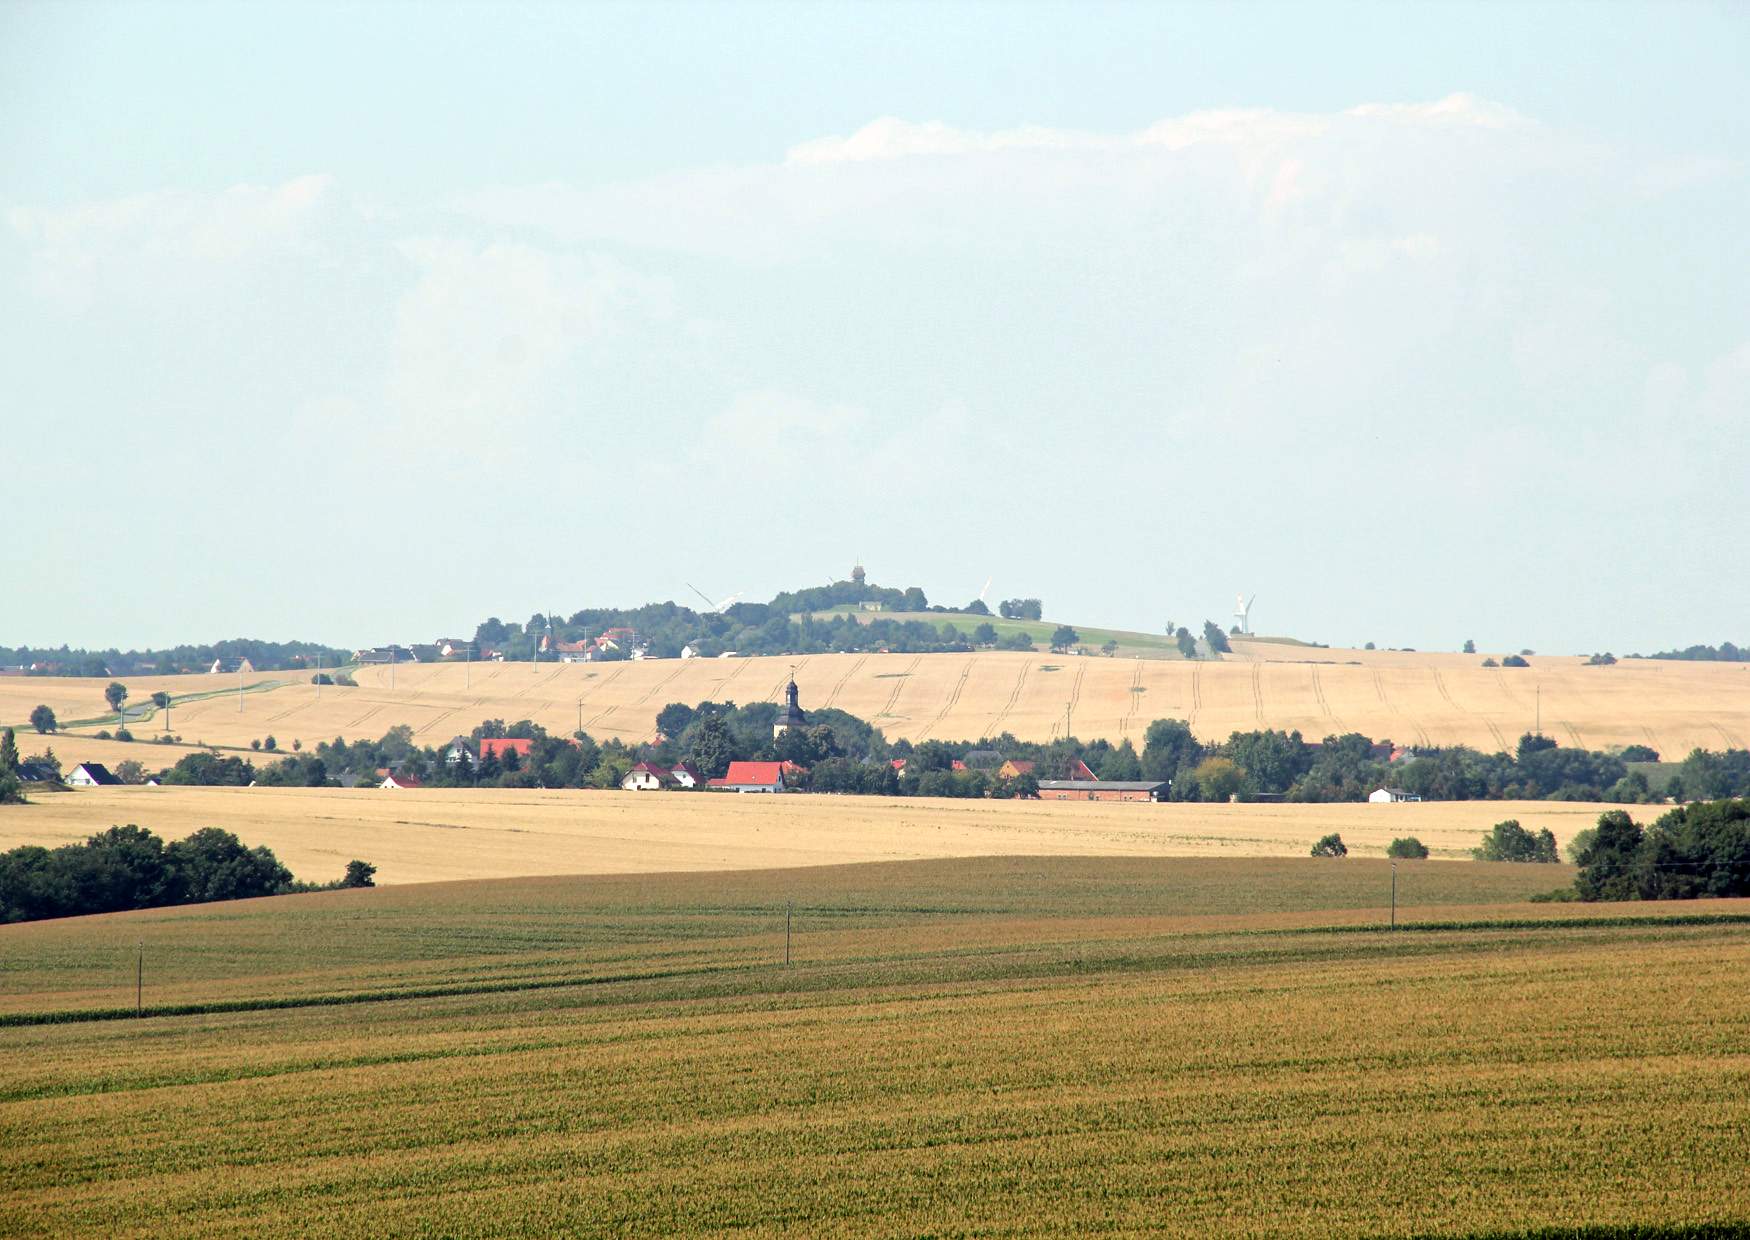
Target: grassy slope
{"points": [[1130, 644], [1006, 1046]]}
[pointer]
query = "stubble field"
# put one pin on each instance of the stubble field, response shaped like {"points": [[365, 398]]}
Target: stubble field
{"points": [[1408, 698], [431, 834], [1029, 1046]]}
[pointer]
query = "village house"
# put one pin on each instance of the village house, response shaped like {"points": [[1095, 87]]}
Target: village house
{"points": [[394, 780], [91, 775], [1102, 790], [752, 777], [1387, 796], [686, 775], [1015, 767], [645, 777], [459, 751]]}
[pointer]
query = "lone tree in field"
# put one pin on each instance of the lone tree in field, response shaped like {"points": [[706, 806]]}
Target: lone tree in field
{"points": [[1470, 646], [115, 695], [1509, 841], [1331, 846], [161, 700], [1409, 849], [1063, 637], [359, 874], [43, 719]]}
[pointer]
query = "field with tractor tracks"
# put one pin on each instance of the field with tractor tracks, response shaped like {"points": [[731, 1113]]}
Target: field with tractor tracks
{"points": [[1409, 698]]}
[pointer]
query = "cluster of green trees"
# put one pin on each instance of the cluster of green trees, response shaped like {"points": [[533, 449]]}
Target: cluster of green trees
{"points": [[129, 867], [262, 655], [1695, 850], [1725, 652], [768, 628]]}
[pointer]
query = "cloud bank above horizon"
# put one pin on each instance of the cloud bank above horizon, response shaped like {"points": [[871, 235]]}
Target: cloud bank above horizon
{"points": [[1414, 371]]}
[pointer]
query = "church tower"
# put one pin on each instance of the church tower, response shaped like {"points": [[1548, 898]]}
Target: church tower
{"points": [[792, 716]]}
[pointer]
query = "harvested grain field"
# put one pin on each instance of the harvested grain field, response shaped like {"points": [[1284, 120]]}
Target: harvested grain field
{"points": [[1036, 1046], [1407, 698], [430, 834]]}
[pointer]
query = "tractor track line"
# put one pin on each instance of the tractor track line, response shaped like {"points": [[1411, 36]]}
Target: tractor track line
{"points": [[790, 675], [1324, 702], [1258, 693], [899, 687], [609, 679], [1422, 738], [1075, 697], [1129, 720], [948, 705], [1014, 696], [845, 680], [659, 685]]}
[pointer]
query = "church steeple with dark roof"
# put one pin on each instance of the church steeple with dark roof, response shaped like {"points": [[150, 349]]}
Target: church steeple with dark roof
{"points": [[792, 716]]}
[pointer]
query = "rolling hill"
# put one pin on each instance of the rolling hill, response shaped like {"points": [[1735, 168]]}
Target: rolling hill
{"points": [[1411, 698]]}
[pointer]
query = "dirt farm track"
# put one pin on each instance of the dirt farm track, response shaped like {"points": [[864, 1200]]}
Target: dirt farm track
{"points": [[1409, 698]]}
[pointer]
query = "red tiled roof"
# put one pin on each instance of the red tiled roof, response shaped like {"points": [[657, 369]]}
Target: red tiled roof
{"points": [[897, 764], [958, 765], [1080, 771], [1022, 767], [754, 773], [651, 768], [494, 746]]}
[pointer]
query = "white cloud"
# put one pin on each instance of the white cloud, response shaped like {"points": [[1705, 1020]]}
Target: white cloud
{"points": [[136, 246]]}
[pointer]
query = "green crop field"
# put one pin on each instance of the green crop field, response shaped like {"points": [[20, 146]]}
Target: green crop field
{"points": [[994, 1047]]}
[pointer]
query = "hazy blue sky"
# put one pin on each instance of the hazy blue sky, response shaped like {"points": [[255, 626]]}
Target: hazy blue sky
{"points": [[360, 323]]}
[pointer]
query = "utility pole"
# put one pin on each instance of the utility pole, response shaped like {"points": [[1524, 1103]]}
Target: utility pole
{"points": [[580, 714], [239, 686], [318, 675], [467, 664]]}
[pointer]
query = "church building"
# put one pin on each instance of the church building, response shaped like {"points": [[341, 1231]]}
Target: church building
{"points": [[792, 716]]}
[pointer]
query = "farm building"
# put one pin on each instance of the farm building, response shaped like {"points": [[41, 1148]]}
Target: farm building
{"points": [[686, 775], [33, 771], [231, 667], [91, 775], [1386, 796], [393, 780], [1102, 790], [1012, 768], [752, 777], [645, 777]]}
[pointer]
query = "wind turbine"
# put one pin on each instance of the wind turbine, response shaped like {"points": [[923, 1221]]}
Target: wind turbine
{"points": [[1243, 613], [986, 589], [715, 608]]}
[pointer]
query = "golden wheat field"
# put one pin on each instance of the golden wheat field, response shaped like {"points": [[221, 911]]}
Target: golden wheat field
{"points": [[430, 834], [989, 1047], [1408, 698]]}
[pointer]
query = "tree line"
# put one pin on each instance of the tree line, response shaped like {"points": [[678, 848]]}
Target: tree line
{"points": [[130, 867], [264, 656]]}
